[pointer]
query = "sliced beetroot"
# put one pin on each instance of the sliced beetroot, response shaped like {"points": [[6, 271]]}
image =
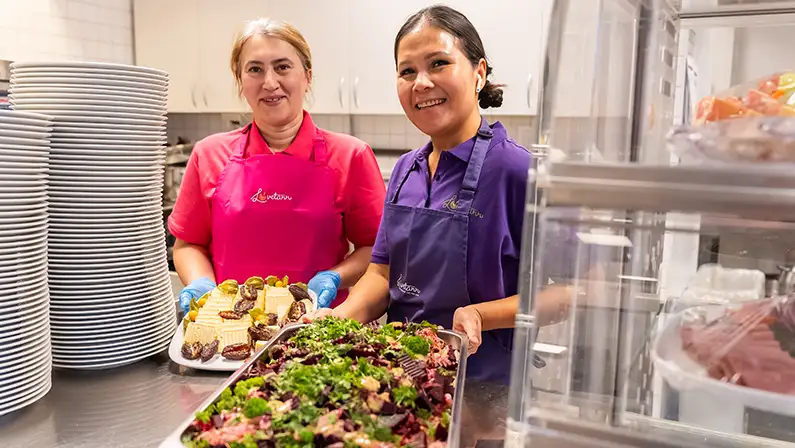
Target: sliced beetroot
{"points": [[217, 421], [311, 360], [392, 420], [441, 433]]}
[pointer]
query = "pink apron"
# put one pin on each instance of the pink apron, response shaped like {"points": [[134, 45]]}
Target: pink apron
{"points": [[274, 214]]}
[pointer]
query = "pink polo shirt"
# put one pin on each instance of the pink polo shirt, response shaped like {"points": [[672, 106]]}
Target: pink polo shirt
{"points": [[360, 186]]}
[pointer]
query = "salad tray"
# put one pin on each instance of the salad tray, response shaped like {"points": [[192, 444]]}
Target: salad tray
{"points": [[454, 339]]}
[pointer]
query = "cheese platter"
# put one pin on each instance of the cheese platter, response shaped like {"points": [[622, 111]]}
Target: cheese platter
{"points": [[224, 327]]}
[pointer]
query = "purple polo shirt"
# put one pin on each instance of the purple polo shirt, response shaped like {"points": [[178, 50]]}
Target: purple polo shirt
{"points": [[495, 224]]}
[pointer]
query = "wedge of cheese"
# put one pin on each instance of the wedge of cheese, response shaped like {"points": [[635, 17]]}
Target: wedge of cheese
{"points": [[209, 326], [232, 332], [277, 300]]}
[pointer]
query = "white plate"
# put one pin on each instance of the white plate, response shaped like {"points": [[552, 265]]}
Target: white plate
{"points": [[5, 124], [27, 398], [67, 153], [91, 263], [88, 77], [151, 312], [71, 90], [9, 140], [218, 363], [106, 166], [109, 126], [87, 65], [107, 362], [71, 341], [44, 135], [686, 375], [117, 237], [92, 112], [78, 176], [101, 147], [20, 156], [93, 82], [124, 75], [101, 138], [32, 118], [90, 96], [90, 108], [76, 305], [100, 121]]}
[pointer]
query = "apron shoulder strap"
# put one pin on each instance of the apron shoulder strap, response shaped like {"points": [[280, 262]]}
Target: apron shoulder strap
{"points": [[319, 149], [242, 143], [403, 176], [472, 176]]}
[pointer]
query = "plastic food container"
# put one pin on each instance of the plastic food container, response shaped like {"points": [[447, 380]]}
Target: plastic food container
{"points": [[732, 354], [750, 122], [715, 285]]}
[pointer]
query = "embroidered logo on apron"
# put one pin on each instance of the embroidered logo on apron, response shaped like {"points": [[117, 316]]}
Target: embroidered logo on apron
{"points": [[406, 288], [263, 198], [452, 204]]}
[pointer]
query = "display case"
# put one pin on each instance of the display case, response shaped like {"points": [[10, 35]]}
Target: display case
{"points": [[629, 252]]}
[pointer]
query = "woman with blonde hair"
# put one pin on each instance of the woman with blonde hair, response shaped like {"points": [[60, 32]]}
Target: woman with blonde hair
{"points": [[279, 196]]}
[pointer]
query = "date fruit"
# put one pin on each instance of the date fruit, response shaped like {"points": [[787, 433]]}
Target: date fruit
{"points": [[259, 333], [209, 350], [236, 352], [191, 351], [244, 306], [299, 293], [233, 315]]}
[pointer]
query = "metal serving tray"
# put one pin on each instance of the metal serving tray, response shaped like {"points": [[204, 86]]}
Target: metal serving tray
{"points": [[455, 339]]}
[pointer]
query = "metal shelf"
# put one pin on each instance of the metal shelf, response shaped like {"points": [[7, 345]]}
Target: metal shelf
{"points": [[732, 190]]}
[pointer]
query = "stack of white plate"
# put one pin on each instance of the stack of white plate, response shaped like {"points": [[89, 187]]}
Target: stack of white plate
{"points": [[110, 294], [25, 360]]}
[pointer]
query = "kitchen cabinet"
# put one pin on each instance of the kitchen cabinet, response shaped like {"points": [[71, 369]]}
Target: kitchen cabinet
{"points": [[165, 35], [352, 44], [192, 41], [511, 32], [376, 23], [326, 27]]}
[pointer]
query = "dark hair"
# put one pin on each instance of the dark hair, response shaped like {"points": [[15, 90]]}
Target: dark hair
{"points": [[448, 19]]}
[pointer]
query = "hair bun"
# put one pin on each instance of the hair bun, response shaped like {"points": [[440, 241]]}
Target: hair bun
{"points": [[490, 95]]}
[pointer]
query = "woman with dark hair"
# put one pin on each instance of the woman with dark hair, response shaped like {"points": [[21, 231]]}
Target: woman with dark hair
{"points": [[448, 247]]}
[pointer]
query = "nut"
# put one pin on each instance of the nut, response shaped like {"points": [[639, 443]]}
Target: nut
{"points": [[233, 315]]}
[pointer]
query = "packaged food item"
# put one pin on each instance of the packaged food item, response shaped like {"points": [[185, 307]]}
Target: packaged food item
{"points": [[751, 345], [750, 122], [715, 285]]}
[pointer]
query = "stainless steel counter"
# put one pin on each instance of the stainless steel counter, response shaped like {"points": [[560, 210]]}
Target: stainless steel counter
{"points": [[139, 405]]}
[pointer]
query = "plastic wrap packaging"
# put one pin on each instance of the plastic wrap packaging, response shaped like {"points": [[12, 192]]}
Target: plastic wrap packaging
{"points": [[715, 285], [750, 122], [750, 345]]}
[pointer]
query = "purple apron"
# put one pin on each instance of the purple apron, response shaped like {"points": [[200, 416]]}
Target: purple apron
{"points": [[428, 266]]}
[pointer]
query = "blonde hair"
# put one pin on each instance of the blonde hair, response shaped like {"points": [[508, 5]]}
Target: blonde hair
{"points": [[271, 28]]}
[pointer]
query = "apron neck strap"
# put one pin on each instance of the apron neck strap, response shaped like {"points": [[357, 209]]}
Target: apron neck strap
{"points": [[242, 142], [471, 177], [474, 167], [319, 150]]}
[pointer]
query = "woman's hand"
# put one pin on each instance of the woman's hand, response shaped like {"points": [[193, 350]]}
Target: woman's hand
{"points": [[325, 285], [320, 313], [469, 321]]}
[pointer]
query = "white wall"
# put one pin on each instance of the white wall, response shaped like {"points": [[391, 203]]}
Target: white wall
{"points": [[95, 30]]}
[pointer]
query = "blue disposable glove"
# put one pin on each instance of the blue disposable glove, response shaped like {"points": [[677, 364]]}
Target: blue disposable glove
{"points": [[325, 284], [195, 290]]}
